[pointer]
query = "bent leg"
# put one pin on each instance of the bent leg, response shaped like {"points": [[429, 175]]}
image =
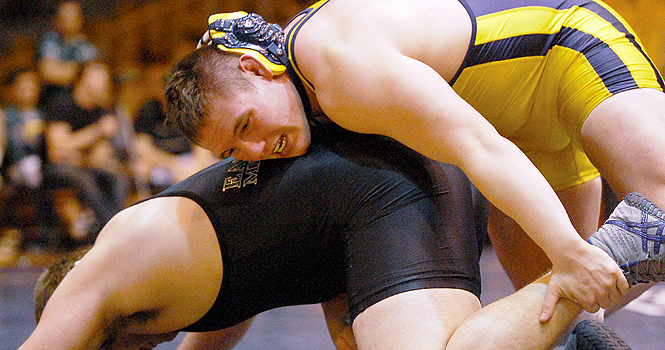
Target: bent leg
{"points": [[414, 273], [419, 319], [520, 257], [513, 322], [623, 137]]}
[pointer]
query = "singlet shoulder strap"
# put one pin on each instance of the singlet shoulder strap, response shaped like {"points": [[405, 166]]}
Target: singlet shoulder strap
{"points": [[300, 20]]}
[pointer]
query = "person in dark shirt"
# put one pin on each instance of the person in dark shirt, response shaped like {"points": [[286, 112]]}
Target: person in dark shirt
{"points": [[61, 51], [80, 132], [162, 155], [361, 215]]}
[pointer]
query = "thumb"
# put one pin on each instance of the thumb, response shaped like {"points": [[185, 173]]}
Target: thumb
{"points": [[551, 298]]}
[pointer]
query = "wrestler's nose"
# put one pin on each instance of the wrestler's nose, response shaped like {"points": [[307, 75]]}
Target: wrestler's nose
{"points": [[252, 150]]}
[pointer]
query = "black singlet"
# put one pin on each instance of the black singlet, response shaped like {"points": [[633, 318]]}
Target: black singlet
{"points": [[357, 214]]}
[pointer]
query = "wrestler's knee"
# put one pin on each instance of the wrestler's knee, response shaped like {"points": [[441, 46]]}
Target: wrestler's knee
{"points": [[419, 319]]}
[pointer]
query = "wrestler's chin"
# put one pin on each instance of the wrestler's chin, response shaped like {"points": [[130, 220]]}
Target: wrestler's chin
{"points": [[295, 146]]}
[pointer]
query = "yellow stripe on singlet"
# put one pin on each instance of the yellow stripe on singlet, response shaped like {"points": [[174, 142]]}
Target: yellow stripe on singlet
{"points": [[543, 20]]}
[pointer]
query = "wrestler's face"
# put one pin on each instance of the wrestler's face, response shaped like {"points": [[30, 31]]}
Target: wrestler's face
{"points": [[131, 341], [255, 124]]}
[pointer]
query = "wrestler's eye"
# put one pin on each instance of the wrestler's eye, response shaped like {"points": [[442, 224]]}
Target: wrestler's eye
{"points": [[227, 153], [243, 128]]}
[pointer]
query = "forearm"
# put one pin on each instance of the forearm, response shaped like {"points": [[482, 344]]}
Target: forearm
{"points": [[64, 145], [513, 184], [87, 136], [56, 72], [66, 333]]}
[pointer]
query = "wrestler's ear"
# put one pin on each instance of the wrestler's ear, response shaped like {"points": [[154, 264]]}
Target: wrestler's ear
{"points": [[252, 65]]}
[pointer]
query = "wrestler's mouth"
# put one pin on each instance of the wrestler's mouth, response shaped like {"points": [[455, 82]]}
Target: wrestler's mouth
{"points": [[280, 145]]}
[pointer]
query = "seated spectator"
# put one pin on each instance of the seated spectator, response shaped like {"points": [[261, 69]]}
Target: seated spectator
{"points": [[25, 206], [61, 51], [82, 156], [23, 125], [162, 154]]}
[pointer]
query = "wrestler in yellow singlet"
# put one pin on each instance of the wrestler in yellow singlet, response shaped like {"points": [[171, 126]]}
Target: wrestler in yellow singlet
{"points": [[535, 72]]}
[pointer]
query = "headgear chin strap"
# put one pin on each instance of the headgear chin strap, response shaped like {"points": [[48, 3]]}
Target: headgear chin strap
{"points": [[244, 33]]}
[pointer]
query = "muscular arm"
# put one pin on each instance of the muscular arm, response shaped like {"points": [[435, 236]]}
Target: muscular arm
{"points": [[407, 100], [135, 279], [372, 83]]}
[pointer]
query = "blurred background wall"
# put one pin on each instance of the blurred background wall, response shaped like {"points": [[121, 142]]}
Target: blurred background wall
{"points": [[131, 31]]}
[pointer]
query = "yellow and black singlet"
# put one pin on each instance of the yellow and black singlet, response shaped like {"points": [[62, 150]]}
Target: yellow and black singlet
{"points": [[535, 69]]}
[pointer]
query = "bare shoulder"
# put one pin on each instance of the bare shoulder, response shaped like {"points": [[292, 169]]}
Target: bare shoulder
{"points": [[164, 256], [161, 222], [138, 275], [362, 54], [436, 32]]}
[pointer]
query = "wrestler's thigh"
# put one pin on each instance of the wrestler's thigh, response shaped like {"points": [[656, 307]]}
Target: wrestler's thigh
{"points": [[420, 240], [418, 319], [623, 138], [413, 267]]}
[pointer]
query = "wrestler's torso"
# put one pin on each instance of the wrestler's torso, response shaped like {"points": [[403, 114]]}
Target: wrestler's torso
{"points": [[492, 52], [534, 69], [282, 224]]}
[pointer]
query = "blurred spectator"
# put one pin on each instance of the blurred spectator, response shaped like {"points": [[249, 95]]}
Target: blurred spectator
{"points": [[25, 206], [162, 154], [82, 156], [24, 126], [61, 52]]}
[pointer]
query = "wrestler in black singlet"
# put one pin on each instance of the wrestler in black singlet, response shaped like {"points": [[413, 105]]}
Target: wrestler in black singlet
{"points": [[356, 214]]}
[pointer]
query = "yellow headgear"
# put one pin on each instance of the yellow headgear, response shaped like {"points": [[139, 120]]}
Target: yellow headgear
{"points": [[243, 33]]}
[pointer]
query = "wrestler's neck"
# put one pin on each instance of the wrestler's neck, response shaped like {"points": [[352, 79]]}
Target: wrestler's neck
{"points": [[316, 108]]}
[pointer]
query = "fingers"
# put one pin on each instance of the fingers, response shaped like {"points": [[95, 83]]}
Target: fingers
{"points": [[622, 284], [615, 293], [614, 296], [592, 308], [590, 300], [551, 298], [593, 300], [592, 286]]}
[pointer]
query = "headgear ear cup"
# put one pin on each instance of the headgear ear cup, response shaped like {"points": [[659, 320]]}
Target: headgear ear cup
{"points": [[243, 33]]}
